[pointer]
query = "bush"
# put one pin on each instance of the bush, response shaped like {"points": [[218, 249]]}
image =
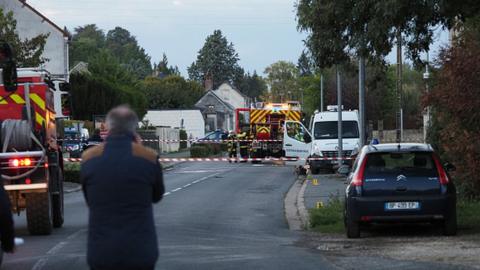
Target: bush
{"points": [[199, 151], [71, 172], [183, 139]]}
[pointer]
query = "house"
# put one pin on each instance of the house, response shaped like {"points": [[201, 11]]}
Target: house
{"points": [[189, 120], [31, 23], [218, 107]]}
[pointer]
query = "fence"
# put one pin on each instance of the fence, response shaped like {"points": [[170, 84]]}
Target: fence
{"points": [[161, 139]]}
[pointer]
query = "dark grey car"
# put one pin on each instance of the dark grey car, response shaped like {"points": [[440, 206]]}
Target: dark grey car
{"points": [[399, 183]]}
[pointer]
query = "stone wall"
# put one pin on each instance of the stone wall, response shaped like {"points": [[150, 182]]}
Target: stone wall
{"points": [[409, 135]]}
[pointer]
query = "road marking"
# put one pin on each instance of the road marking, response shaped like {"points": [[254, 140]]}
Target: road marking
{"points": [[187, 185], [192, 183], [175, 190], [166, 193], [56, 248], [77, 233], [40, 264]]}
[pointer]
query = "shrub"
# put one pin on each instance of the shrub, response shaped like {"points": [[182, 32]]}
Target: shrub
{"points": [[183, 139], [71, 172], [199, 151]]}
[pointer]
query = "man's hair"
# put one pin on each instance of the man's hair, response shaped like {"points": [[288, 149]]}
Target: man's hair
{"points": [[121, 120]]}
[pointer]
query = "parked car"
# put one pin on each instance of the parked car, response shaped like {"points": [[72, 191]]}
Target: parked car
{"points": [[217, 135], [399, 183]]}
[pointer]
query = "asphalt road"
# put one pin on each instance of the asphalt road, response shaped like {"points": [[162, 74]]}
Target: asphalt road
{"points": [[213, 216]]}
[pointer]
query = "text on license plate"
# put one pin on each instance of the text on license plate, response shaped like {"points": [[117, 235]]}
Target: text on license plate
{"points": [[402, 205]]}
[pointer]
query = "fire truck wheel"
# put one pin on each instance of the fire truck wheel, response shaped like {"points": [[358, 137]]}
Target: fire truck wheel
{"points": [[39, 214], [57, 203]]}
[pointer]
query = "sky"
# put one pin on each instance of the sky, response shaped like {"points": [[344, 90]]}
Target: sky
{"points": [[262, 31]]}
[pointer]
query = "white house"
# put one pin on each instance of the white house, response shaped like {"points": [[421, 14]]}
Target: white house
{"points": [[31, 23], [189, 120], [218, 107]]}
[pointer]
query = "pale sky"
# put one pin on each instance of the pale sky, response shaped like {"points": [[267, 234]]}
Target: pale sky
{"points": [[262, 31]]}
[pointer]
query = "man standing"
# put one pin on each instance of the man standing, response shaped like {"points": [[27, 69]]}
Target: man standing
{"points": [[121, 179]]}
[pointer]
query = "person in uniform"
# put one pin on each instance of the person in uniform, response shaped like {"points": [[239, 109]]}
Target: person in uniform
{"points": [[243, 142], [232, 147]]}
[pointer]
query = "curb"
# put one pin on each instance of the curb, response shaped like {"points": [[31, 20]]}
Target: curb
{"points": [[294, 207], [77, 187]]}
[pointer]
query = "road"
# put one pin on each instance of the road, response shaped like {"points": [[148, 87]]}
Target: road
{"points": [[213, 216]]}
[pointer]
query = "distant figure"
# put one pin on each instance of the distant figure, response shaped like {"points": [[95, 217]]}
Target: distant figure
{"points": [[121, 179], [7, 234]]}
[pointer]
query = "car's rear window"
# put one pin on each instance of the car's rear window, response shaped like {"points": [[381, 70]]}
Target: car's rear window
{"points": [[418, 163]]}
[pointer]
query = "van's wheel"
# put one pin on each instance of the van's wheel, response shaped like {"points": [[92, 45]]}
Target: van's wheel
{"points": [[57, 202], [39, 213], [352, 227], [450, 224]]}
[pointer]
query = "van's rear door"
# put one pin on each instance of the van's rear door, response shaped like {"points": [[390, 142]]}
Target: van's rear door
{"points": [[400, 173]]}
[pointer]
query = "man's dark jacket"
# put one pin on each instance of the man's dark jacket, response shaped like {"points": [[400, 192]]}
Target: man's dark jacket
{"points": [[121, 179], [6, 222]]}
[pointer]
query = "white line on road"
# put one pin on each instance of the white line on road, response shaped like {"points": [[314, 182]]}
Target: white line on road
{"points": [[39, 264], [166, 193], [192, 183], [175, 190], [56, 248]]}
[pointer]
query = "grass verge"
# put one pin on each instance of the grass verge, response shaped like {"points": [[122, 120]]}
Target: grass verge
{"points": [[329, 219], [468, 218]]}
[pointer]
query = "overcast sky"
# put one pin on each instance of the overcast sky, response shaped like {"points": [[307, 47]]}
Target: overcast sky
{"points": [[262, 31]]}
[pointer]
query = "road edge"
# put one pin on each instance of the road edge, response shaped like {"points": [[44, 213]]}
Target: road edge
{"points": [[294, 206]]}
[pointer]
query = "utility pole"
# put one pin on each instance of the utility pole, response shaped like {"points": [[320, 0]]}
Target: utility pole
{"points": [[321, 92], [361, 98], [399, 86], [427, 116], [339, 109]]}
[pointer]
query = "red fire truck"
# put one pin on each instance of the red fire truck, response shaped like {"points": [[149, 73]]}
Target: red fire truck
{"points": [[31, 163], [263, 125]]}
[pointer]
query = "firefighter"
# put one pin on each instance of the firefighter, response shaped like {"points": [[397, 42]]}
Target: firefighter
{"points": [[243, 142], [232, 147]]}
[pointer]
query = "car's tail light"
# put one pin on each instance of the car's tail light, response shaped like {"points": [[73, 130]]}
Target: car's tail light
{"points": [[357, 179], [442, 174], [20, 162]]}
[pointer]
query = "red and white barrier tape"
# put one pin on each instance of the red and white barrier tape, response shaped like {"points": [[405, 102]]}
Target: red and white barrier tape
{"points": [[195, 141], [230, 159]]}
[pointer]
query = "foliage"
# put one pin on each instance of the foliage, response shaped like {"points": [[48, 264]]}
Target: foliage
{"points": [[162, 69], [454, 100], [183, 139], [304, 65], [328, 219], [86, 42], [282, 79], [253, 86], [28, 52], [172, 92], [217, 59], [467, 214], [205, 150], [338, 28], [108, 85], [71, 172], [125, 47]]}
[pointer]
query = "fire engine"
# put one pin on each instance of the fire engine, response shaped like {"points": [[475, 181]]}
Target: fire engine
{"points": [[264, 125], [31, 163]]}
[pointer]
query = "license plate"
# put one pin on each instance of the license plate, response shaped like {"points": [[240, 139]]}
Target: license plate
{"points": [[402, 206]]}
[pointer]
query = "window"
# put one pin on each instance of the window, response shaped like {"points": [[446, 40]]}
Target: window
{"points": [[417, 163], [329, 130], [296, 131]]}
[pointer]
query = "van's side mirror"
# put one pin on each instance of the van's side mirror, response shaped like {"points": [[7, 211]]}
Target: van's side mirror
{"points": [[9, 67], [307, 138]]}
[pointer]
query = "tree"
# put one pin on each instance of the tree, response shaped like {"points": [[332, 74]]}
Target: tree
{"points": [[282, 79], [87, 41], [171, 92], [252, 86], [162, 69], [126, 49], [338, 28], [108, 85], [454, 102], [217, 58], [28, 52], [304, 65]]}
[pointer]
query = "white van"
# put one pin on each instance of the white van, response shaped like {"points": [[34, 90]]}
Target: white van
{"points": [[322, 141]]}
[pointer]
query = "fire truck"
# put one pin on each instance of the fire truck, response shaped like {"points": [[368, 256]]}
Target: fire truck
{"points": [[264, 125], [31, 163]]}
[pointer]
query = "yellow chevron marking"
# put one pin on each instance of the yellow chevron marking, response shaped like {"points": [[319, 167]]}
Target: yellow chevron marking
{"points": [[17, 99], [3, 102], [38, 100], [39, 118]]}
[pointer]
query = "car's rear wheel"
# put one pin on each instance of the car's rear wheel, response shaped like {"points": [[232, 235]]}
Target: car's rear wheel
{"points": [[450, 224], [352, 226]]}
